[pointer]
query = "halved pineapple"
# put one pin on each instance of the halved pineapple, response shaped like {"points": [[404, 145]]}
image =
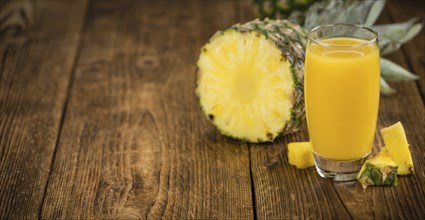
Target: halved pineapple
{"points": [[245, 85], [249, 82], [396, 142], [381, 170]]}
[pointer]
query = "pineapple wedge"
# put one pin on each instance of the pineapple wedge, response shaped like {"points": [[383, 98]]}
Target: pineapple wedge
{"points": [[300, 154], [381, 170], [398, 148]]}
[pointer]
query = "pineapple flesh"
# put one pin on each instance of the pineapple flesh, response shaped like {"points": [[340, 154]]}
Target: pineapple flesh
{"points": [[249, 80], [398, 148], [300, 154], [381, 170]]}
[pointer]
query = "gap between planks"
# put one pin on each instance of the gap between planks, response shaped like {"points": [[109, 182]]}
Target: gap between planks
{"points": [[65, 106], [251, 176]]}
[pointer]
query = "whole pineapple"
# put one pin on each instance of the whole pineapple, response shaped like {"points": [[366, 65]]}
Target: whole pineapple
{"points": [[250, 79]]}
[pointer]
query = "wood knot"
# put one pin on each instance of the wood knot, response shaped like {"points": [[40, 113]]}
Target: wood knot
{"points": [[147, 62], [15, 18]]}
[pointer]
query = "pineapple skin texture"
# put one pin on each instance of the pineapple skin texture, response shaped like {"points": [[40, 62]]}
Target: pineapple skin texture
{"points": [[290, 39], [281, 8], [398, 148], [300, 154], [380, 170]]}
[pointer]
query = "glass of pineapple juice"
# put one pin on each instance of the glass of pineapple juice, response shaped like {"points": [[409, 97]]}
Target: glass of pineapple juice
{"points": [[342, 97]]}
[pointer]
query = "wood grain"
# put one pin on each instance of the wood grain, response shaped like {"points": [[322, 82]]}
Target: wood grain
{"points": [[281, 190], [284, 192], [36, 58], [99, 120], [135, 143]]}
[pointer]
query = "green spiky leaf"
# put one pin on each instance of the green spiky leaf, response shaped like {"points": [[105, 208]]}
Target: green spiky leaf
{"points": [[277, 9], [374, 12], [385, 88], [391, 71], [338, 11], [392, 36]]}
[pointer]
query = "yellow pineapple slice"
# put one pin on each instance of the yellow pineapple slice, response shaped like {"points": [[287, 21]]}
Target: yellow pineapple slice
{"points": [[398, 148], [300, 154]]}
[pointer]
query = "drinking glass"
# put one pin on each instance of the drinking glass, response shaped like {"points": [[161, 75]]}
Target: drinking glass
{"points": [[342, 97]]}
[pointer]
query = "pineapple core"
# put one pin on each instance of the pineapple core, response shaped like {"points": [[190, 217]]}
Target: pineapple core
{"points": [[398, 148], [245, 85]]}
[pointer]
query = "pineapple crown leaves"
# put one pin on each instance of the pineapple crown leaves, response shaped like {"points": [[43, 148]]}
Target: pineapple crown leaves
{"points": [[391, 71], [280, 8], [364, 12], [385, 88], [391, 36], [339, 11]]}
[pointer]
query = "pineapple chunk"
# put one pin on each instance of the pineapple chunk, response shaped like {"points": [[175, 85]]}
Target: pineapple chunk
{"points": [[381, 170], [398, 148], [300, 154]]}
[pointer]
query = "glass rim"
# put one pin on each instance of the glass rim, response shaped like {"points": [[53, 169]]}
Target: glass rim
{"points": [[371, 41]]}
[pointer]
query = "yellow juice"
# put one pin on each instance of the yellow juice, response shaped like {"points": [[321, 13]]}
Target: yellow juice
{"points": [[342, 97]]}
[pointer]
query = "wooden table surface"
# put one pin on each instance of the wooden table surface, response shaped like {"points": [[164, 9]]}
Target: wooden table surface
{"points": [[99, 119]]}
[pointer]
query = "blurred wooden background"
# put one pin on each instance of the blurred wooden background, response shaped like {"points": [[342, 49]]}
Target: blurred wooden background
{"points": [[98, 119]]}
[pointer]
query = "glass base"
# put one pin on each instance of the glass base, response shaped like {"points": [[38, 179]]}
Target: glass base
{"points": [[338, 170]]}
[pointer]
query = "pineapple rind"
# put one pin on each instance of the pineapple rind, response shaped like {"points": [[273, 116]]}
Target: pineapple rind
{"points": [[290, 39], [381, 170], [281, 8], [373, 175]]}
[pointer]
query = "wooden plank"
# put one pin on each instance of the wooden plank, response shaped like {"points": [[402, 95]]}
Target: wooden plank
{"points": [[407, 199], [284, 192], [38, 44], [135, 143], [414, 49]]}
